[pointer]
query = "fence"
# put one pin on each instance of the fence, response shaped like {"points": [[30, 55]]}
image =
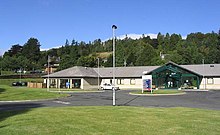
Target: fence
{"points": [[36, 85]]}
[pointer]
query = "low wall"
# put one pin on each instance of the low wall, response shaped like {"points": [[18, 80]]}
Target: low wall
{"points": [[36, 85]]}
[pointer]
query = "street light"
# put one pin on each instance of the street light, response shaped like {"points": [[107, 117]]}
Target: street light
{"points": [[48, 73], [1, 63], [98, 72], [203, 62], [20, 74], [114, 27]]}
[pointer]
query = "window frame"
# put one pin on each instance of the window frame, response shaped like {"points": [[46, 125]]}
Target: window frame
{"points": [[132, 81], [120, 81]]}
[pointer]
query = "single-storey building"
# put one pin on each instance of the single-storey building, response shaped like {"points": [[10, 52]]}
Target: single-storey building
{"points": [[168, 76]]}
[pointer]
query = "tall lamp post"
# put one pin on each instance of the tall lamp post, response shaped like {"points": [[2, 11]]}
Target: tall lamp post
{"points": [[98, 72], [1, 64], [114, 27], [48, 73], [203, 62]]}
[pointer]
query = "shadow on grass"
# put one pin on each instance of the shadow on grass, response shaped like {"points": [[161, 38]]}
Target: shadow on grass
{"points": [[1, 90], [12, 109]]}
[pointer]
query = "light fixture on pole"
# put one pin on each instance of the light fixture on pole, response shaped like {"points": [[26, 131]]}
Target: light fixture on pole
{"points": [[114, 27]]}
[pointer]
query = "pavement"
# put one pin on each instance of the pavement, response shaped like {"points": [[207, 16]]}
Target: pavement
{"points": [[193, 99]]}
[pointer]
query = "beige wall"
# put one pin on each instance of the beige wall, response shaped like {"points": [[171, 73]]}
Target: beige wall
{"points": [[210, 83], [90, 83], [131, 83], [207, 83]]}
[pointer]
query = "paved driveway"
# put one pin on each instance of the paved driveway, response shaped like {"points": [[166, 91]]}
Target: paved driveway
{"points": [[205, 100]]}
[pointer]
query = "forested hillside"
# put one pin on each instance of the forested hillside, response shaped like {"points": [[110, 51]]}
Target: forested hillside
{"points": [[140, 52]]}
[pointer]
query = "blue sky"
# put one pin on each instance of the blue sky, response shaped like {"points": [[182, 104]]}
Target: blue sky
{"points": [[54, 21]]}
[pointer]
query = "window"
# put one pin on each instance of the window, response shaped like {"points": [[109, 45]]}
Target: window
{"points": [[132, 81], [210, 81], [120, 81]]}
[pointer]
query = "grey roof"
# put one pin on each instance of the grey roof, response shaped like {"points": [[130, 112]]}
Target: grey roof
{"points": [[206, 70], [124, 71], [76, 71]]}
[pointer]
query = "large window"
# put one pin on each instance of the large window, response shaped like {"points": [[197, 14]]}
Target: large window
{"points": [[120, 81], [132, 82]]}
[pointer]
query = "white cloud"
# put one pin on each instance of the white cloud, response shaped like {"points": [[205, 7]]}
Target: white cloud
{"points": [[184, 37], [137, 36], [46, 49], [134, 36]]}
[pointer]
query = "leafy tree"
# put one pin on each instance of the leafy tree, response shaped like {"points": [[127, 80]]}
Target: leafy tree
{"points": [[67, 42], [31, 50], [138, 52], [14, 51], [174, 39], [73, 42], [146, 56], [97, 46], [160, 39], [66, 62], [109, 62], [83, 49], [87, 61]]}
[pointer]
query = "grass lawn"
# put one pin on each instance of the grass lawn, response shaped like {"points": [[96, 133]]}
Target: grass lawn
{"points": [[159, 92], [104, 54], [110, 121], [8, 93], [9, 81], [74, 90]]}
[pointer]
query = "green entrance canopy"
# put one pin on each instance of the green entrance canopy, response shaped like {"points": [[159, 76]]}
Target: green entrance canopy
{"points": [[172, 76]]}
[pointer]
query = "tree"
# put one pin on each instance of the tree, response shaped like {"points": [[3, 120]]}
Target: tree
{"points": [[87, 61], [160, 38], [120, 54], [73, 42], [174, 39], [15, 50], [66, 62], [31, 50], [67, 42], [97, 46], [147, 56], [109, 62], [83, 50]]}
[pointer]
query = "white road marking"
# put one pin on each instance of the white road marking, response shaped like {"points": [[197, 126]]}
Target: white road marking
{"points": [[62, 102]]}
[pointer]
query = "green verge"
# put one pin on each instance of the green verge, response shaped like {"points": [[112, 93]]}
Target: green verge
{"points": [[159, 92], [9, 81], [118, 120], [8, 93], [74, 90]]}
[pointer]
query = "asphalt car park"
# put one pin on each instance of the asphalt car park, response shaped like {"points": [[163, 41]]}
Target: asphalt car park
{"points": [[192, 99]]}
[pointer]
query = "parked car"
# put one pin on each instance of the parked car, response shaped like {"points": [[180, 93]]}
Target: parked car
{"points": [[109, 87], [36, 72], [19, 84]]}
